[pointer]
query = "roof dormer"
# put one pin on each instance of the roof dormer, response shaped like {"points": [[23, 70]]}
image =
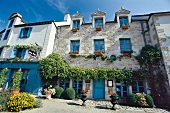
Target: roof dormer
{"points": [[77, 20], [123, 17], [98, 19]]}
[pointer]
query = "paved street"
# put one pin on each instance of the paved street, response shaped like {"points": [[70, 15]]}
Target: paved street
{"points": [[73, 106]]}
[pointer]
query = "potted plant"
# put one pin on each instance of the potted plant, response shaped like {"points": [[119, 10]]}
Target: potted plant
{"points": [[75, 29], [125, 26], [16, 82], [49, 91], [114, 99], [98, 28], [83, 96], [3, 78], [99, 53]]}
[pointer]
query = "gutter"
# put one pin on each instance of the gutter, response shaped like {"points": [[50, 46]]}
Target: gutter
{"points": [[144, 31]]}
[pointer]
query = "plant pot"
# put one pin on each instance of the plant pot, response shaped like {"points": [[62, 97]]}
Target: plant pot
{"points": [[126, 53], [98, 28], [125, 27], [114, 101], [15, 91], [48, 95], [83, 98], [98, 53]]}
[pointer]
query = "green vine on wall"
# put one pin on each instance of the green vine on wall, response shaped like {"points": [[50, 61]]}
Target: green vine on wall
{"points": [[28, 47], [7, 46]]}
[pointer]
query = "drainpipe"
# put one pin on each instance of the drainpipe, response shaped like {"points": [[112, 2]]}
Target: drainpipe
{"points": [[55, 34], [144, 31]]}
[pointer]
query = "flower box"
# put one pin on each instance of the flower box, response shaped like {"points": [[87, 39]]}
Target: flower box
{"points": [[125, 27], [74, 29], [74, 53], [99, 53], [98, 28], [126, 53]]}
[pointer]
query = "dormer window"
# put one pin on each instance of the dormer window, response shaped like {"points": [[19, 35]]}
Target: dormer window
{"points": [[11, 23], [76, 24], [99, 22], [123, 21], [25, 32]]}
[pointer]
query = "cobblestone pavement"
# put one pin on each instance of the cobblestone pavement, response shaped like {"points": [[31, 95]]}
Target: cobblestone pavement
{"points": [[73, 106]]}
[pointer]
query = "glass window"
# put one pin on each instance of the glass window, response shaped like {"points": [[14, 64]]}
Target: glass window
{"points": [[20, 53], [125, 45], [138, 87], [11, 23], [64, 83], [6, 34], [99, 45], [99, 22], [123, 21], [25, 76], [77, 85], [25, 32], [74, 46], [121, 88], [76, 24]]}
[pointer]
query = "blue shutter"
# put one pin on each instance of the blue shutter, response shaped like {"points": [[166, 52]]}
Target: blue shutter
{"points": [[71, 46], [21, 33], [121, 22], [125, 21], [23, 53], [96, 22], [29, 32], [95, 45], [78, 24], [14, 52]]}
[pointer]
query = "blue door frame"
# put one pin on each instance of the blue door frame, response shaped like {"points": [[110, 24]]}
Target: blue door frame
{"points": [[99, 88]]}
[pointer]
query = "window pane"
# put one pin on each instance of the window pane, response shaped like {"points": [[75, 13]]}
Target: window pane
{"points": [[141, 89], [6, 35], [124, 94]]}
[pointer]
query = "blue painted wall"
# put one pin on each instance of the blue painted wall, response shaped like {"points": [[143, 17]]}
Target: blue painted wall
{"points": [[33, 82]]}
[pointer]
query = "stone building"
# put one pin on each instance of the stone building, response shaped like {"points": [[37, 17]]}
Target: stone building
{"points": [[117, 40]]}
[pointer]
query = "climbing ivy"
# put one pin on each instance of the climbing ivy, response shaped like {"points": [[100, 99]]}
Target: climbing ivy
{"points": [[54, 65], [7, 46], [28, 47]]}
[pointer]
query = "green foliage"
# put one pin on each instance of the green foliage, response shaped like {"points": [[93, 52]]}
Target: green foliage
{"points": [[131, 99], [3, 77], [21, 101], [28, 47], [141, 100], [103, 57], [38, 103], [70, 92], [7, 46], [148, 54], [59, 91], [17, 80], [4, 97], [149, 100]]}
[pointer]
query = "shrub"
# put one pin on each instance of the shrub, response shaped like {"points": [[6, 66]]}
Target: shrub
{"points": [[38, 103], [131, 99], [3, 77], [21, 101], [4, 97], [149, 100], [70, 92], [59, 91], [17, 80], [141, 101]]}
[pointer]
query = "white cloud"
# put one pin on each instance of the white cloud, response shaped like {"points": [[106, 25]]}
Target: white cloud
{"points": [[37, 16], [58, 5], [2, 21]]}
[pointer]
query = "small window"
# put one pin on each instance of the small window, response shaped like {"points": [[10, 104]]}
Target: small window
{"points": [[123, 21], [138, 87], [25, 32], [99, 45], [76, 24], [6, 34], [20, 53], [11, 23], [121, 88], [125, 45], [75, 45], [1, 51], [99, 22]]}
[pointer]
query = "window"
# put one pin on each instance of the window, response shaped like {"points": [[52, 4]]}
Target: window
{"points": [[25, 76], [25, 32], [76, 24], [125, 45], [64, 83], [123, 21], [77, 85], [74, 46], [18, 52], [121, 88], [99, 45], [6, 34], [1, 51], [99, 22], [11, 23], [138, 87]]}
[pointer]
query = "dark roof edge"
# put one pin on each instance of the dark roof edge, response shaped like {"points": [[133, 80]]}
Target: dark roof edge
{"points": [[2, 31]]}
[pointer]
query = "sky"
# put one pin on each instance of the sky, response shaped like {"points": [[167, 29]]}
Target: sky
{"points": [[45, 10]]}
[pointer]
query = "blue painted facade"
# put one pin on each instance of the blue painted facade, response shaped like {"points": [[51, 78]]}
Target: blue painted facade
{"points": [[31, 81]]}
